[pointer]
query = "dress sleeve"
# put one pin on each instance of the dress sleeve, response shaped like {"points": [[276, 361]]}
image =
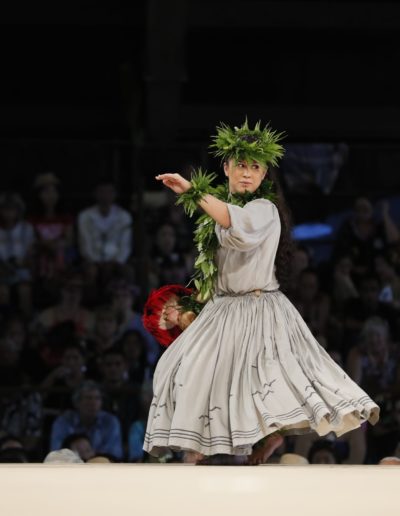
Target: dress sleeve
{"points": [[250, 225]]}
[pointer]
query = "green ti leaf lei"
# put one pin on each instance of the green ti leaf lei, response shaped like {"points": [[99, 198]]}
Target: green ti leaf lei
{"points": [[205, 238]]}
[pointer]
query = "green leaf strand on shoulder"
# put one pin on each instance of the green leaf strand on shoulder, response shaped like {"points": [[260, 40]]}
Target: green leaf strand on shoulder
{"points": [[205, 238]]}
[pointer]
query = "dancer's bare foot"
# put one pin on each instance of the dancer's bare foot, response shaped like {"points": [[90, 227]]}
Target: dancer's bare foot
{"points": [[192, 457], [261, 454]]}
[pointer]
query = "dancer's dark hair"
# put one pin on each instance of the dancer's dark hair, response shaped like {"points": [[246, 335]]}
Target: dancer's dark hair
{"points": [[286, 245]]}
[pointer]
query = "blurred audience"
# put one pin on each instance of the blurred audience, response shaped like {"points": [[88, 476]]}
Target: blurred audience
{"points": [[69, 307], [103, 338], [12, 450], [133, 347], [76, 363], [363, 233], [120, 395], [122, 295], [104, 234], [54, 230], [102, 428], [80, 444], [323, 451], [138, 427], [373, 363], [312, 303], [20, 403], [62, 456], [58, 386], [16, 248]]}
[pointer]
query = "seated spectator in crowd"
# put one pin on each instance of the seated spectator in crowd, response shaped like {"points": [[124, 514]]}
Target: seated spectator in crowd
{"points": [[343, 286], [372, 363], [389, 280], [13, 330], [102, 458], [105, 234], [357, 310], [120, 395], [14, 456], [80, 444], [47, 348], [123, 296], [16, 247], [13, 327], [61, 382], [175, 216], [10, 363], [12, 450], [168, 262], [102, 428], [10, 441], [133, 346], [103, 338], [300, 261], [69, 309], [385, 440], [138, 428], [53, 228], [336, 355], [363, 234], [312, 303], [350, 448], [20, 405], [323, 451], [173, 272], [62, 456], [291, 459]]}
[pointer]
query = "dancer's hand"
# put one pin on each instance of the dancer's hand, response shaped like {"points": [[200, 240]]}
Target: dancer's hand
{"points": [[175, 182]]}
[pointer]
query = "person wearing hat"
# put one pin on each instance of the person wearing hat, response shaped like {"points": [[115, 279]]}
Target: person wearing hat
{"points": [[247, 370], [16, 245]]}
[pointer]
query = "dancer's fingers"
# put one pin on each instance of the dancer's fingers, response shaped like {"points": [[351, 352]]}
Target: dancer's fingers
{"points": [[167, 176]]}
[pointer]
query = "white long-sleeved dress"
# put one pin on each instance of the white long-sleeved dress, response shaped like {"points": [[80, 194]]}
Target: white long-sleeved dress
{"points": [[249, 365]]}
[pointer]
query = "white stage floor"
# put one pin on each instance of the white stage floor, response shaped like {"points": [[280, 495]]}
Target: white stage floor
{"points": [[180, 489]]}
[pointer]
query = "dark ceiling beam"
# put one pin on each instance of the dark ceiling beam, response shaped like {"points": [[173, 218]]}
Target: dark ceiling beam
{"points": [[165, 67], [349, 15], [300, 122], [58, 14], [296, 15]]}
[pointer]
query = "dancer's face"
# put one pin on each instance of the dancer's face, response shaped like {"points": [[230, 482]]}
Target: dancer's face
{"points": [[244, 176]]}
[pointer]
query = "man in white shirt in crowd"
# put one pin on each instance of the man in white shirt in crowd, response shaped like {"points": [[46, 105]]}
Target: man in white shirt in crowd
{"points": [[105, 231]]}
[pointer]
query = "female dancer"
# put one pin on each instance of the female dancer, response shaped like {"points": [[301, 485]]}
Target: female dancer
{"points": [[248, 368]]}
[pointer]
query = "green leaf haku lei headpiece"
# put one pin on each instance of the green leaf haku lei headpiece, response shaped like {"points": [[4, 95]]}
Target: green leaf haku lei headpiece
{"points": [[245, 144], [241, 143]]}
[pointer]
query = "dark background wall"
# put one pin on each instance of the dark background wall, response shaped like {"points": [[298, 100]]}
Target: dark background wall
{"points": [[127, 91]]}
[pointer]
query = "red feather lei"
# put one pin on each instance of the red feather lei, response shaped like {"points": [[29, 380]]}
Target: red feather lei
{"points": [[153, 309]]}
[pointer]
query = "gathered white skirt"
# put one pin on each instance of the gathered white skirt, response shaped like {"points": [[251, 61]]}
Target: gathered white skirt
{"points": [[246, 367]]}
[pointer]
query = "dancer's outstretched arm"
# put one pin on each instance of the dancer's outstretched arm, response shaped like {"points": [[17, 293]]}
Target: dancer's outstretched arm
{"points": [[217, 209]]}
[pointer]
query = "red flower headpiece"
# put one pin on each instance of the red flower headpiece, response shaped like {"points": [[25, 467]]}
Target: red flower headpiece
{"points": [[153, 312]]}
